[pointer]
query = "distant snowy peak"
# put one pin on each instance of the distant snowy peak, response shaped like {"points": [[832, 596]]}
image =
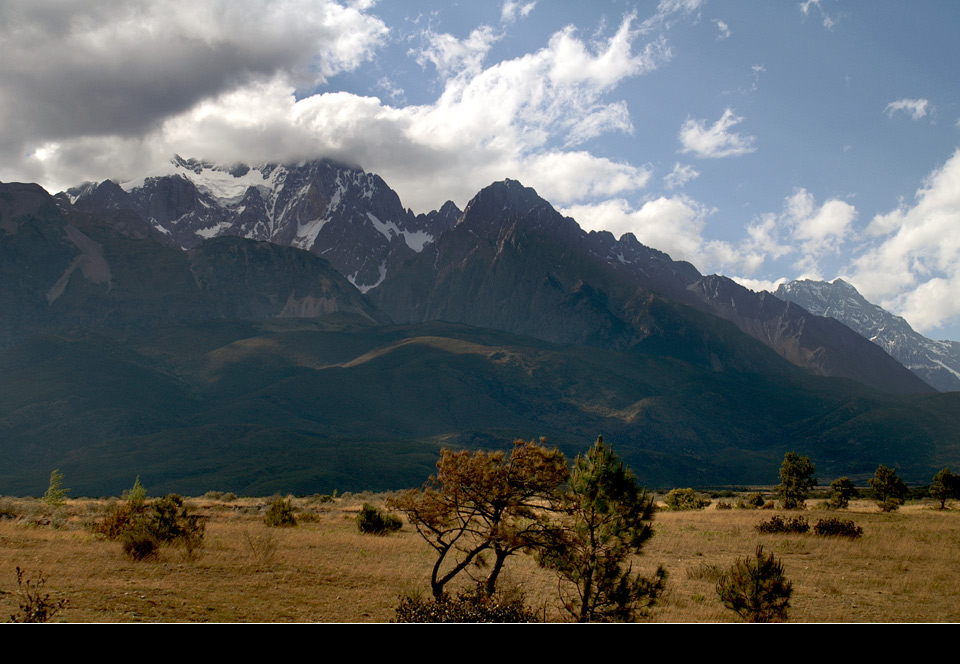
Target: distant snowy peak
{"points": [[350, 217], [936, 362]]}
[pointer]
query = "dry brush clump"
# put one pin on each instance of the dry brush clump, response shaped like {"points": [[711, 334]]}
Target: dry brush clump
{"points": [[142, 527]]}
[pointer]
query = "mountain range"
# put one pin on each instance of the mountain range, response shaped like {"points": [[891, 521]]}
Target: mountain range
{"points": [[293, 327], [936, 362]]}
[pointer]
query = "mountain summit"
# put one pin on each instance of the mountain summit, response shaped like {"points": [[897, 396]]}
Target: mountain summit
{"points": [[350, 217], [936, 362]]}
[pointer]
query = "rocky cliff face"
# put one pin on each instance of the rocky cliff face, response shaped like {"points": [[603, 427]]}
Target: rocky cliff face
{"points": [[936, 362], [512, 262], [351, 218], [63, 269]]}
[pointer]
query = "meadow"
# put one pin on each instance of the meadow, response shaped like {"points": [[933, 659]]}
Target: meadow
{"points": [[905, 567]]}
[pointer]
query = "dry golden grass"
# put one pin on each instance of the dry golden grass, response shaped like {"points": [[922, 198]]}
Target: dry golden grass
{"points": [[905, 568]]}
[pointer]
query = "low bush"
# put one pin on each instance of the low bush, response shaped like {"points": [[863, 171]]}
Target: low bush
{"points": [[143, 527], [280, 514], [779, 525], [372, 521], [837, 528], [685, 499], [756, 589], [471, 606], [754, 501], [724, 505]]}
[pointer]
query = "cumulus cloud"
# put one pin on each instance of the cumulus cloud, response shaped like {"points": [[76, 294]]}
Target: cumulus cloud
{"points": [[80, 69], [716, 140], [674, 225], [519, 118], [915, 108], [913, 269]]}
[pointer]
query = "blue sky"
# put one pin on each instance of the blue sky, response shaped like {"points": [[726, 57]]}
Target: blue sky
{"points": [[762, 140]]}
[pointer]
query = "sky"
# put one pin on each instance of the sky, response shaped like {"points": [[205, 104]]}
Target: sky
{"points": [[763, 140]]}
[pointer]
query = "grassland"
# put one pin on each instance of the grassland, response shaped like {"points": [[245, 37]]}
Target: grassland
{"points": [[905, 568]]}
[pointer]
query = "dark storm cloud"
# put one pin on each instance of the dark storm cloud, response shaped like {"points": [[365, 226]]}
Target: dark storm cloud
{"points": [[120, 68]]}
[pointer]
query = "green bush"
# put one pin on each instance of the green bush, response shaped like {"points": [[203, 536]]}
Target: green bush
{"points": [[837, 528], [754, 501], [756, 589], [685, 499], [169, 521], [56, 495], [372, 521], [280, 514], [142, 527], [471, 606], [778, 525]]}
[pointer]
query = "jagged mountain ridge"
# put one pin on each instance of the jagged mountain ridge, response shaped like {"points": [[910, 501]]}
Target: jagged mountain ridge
{"points": [[131, 358], [514, 263], [593, 289], [350, 217], [936, 362], [63, 269]]}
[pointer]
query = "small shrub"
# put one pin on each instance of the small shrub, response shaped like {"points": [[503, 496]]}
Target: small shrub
{"points": [[34, 606], [837, 528], [228, 497], [754, 501], [755, 589], [685, 499], [372, 521], [778, 525], [724, 505], [471, 606], [137, 494], [170, 522], [280, 514], [121, 519], [56, 495], [142, 528]]}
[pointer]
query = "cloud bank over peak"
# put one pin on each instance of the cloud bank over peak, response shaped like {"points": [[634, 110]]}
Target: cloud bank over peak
{"points": [[520, 117]]}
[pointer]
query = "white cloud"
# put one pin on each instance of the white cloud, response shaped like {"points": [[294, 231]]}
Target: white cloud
{"points": [[914, 267], [515, 118], [451, 55], [758, 285], [680, 175], [806, 7], [674, 225], [915, 108], [716, 140], [723, 28], [512, 10]]}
